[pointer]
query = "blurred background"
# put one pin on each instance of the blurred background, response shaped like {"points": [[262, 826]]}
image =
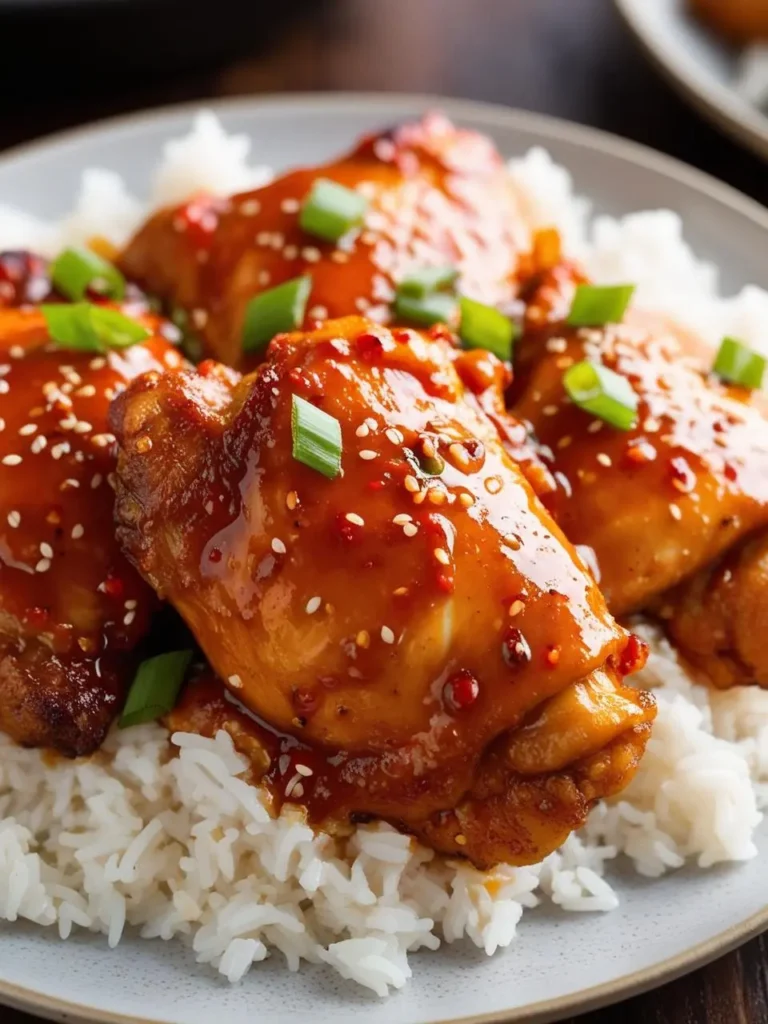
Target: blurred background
{"points": [[66, 62]]}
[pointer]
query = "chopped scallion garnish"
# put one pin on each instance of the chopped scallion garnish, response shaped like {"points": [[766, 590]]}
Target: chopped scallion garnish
{"points": [[435, 308], [597, 305], [78, 269], [155, 688], [422, 281], [737, 364], [600, 391], [316, 438], [84, 327], [275, 311], [331, 210], [485, 327]]}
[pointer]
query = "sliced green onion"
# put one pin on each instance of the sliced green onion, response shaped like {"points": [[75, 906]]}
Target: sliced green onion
{"points": [[432, 309], [88, 328], [331, 210], [155, 688], [316, 438], [738, 364], [422, 281], [600, 391], [485, 327], [275, 311], [596, 305], [77, 269]]}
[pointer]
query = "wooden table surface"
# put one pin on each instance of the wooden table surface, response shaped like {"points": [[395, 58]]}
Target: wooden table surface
{"points": [[572, 58]]}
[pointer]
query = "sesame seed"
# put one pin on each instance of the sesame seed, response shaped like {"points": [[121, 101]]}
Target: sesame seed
{"points": [[318, 313], [68, 423], [466, 499], [595, 426], [60, 449], [11, 460], [550, 410], [651, 425], [291, 500], [436, 496], [128, 618], [83, 427], [311, 254], [411, 484], [394, 436], [675, 512], [130, 604], [363, 639], [43, 565], [277, 546], [290, 252], [387, 635], [264, 278], [102, 440], [96, 480], [367, 455], [363, 430], [459, 453], [250, 207], [428, 448], [302, 769], [556, 345], [419, 497], [515, 608], [14, 518], [77, 531], [298, 790], [27, 429], [461, 840], [2, 424], [400, 591], [564, 441], [235, 681], [410, 529], [353, 517], [46, 550], [442, 556], [401, 519], [16, 352], [603, 459], [373, 425], [86, 391], [313, 604]]}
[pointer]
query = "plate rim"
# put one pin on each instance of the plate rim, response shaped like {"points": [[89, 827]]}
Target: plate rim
{"points": [[714, 101], [596, 996]]}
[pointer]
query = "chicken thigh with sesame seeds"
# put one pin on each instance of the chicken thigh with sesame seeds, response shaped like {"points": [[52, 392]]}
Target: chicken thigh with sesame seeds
{"points": [[664, 499], [436, 195], [71, 607], [371, 574]]}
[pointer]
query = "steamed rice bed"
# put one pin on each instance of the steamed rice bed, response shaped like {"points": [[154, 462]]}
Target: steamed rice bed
{"points": [[182, 846]]}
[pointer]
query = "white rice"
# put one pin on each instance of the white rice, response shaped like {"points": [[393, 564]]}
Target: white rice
{"points": [[182, 846]]}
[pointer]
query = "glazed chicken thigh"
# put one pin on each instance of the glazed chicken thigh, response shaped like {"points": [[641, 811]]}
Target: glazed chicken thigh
{"points": [[437, 195], [660, 501], [416, 622], [71, 607]]}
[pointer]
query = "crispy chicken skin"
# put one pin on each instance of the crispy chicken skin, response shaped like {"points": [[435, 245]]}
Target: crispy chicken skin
{"points": [[433, 641], [438, 195], [661, 501], [71, 607], [741, 20]]}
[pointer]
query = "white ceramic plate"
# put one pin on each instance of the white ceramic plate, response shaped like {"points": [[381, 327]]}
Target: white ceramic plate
{"points": [[562, 963], [699, 64]]}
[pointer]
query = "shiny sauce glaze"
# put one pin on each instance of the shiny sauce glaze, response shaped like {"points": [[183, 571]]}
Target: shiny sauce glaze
{"points": [[656, 502], [437, 195], [69, 600]]}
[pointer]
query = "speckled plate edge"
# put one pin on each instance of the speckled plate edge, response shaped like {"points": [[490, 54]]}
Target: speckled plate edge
{"points": [[487, 115], [694, 80]]}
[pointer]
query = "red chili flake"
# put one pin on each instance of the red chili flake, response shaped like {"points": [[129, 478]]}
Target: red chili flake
{"points": [[370, 347], [401, 337], [515, 649], [683, 477], [36, 617], [199, 219], [731, 473], [461, 690], [634, 655], [113, 586], [445, 583], [376, 485], [439, 332], [214, 555]]}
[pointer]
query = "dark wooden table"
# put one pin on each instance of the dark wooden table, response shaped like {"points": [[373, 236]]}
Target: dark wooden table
{"points": [[572, 58]]}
